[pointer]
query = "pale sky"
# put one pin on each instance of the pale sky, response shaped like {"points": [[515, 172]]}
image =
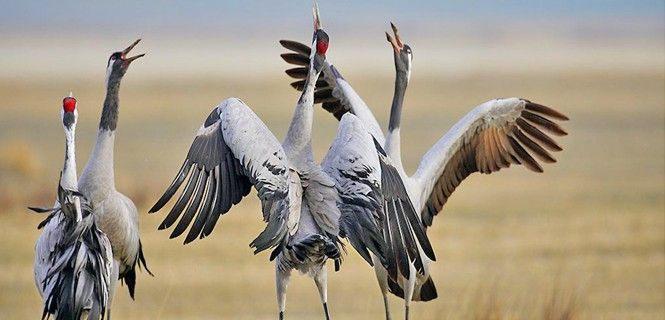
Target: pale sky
{"points": [[54, 15], [200, 38]]}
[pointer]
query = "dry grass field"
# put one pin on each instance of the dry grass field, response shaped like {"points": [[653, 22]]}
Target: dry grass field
{"points": [[585, 239]]}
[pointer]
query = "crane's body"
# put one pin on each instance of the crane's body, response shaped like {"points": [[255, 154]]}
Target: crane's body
{"points": [[235, 150]]}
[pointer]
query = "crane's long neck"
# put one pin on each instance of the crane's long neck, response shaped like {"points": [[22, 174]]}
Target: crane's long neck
{"points": [[393, 138], [98, 173], [69, 177], [109, 119], [298, 141]]}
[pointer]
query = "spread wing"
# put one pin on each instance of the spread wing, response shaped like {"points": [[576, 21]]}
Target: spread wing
{"points": [[231, 152], [492, 136], [376, 213], [334, 93]]}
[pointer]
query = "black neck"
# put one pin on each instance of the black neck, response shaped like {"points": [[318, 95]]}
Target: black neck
{"points": [[398, 99], [109, 119]]}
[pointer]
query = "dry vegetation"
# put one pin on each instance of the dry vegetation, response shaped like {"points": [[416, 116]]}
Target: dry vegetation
{"points": [[583, 240]]}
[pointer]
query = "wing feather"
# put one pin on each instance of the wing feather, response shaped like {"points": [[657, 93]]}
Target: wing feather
{"points": [[354, 166], [377, 215], [493, 136], [232, 151]]}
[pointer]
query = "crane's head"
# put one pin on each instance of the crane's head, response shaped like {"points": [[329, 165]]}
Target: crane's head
{"points": [[119, 63], [320, 42], [402, 52], [69, 112]]}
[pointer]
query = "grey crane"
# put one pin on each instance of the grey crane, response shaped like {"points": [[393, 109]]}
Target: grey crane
{"points": [[492, 136], [233, 151], [115, 213], [73, 258]]}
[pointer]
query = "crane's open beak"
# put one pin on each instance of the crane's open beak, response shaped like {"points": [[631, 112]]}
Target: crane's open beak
{"points": [[126, 51], [395, 42]]}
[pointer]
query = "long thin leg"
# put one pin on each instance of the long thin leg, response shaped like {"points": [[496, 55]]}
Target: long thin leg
{"points": [[382, 278], [409, 285], [114, 283], [321, 280], [282, 278]]}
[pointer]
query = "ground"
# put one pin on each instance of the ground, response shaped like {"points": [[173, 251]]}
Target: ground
{"points": [[586, 236]]}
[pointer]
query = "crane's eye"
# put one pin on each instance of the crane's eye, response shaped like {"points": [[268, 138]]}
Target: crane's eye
{"points": [[408, 52]]}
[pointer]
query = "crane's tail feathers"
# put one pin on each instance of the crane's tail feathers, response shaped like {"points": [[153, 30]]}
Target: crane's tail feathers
{"points": [[129, 276], [427, 292], [394, 288]]}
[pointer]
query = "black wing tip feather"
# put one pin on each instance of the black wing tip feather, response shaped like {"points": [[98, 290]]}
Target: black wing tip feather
{"points": [[539, 108], [173, 187], [405, 218], [362, 233], [215, 182], [296, 46], [40, 209]]}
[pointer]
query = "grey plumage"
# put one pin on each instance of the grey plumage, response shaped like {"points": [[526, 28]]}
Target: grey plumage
{"points": [[494, 135], [221, 174], [115, 214], [377, 214], [234, 150], [78, 278]]}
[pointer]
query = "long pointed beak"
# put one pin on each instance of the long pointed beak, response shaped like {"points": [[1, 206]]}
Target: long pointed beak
{"points": [[317, 19], [126, 51], [398, 39], [129, 60], [393, 43]]}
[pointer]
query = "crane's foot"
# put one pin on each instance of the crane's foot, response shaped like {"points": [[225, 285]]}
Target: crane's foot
{"points": [[325, 310], [281, 315], [406, 313]]}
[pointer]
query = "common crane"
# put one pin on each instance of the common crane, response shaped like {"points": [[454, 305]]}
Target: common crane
{"points": [[114, 212], [73, 258]]}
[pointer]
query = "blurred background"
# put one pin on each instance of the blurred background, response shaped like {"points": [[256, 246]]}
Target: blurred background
{"points": [[583, 240]]}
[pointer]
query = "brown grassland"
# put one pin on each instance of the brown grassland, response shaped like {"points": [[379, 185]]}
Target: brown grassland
{"points": [[583, 240]]}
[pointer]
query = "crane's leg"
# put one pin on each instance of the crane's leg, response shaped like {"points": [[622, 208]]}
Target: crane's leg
{"points": [[282, 278], [114, 283], [321, 280], [409, 285], [382, 278]]}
